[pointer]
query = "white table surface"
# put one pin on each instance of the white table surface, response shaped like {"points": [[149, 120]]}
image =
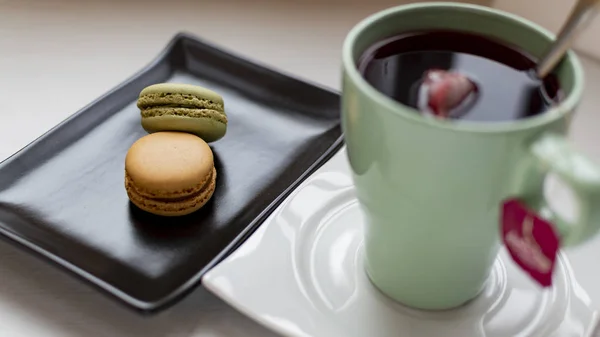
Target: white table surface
{"points": [[57, 56]]}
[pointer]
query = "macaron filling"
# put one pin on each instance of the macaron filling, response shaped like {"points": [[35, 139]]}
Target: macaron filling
{"points": [[159, 111], [179, 100], [169, 195], [171, 202]]}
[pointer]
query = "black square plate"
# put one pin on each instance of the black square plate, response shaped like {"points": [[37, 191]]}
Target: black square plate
{"points": [[63, 195]]}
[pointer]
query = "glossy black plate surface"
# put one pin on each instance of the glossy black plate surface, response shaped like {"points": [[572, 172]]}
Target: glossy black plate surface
{"points": [[63, 195]]}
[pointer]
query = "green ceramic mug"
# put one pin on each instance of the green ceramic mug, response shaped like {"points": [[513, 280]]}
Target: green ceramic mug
{"points": [[431, 190]]}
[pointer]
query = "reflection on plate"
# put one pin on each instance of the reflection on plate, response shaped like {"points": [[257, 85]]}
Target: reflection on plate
{"points": [[302, 274]]}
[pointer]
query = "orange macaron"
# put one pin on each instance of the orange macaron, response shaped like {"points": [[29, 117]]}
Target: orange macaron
{"points": [[170, 173]]}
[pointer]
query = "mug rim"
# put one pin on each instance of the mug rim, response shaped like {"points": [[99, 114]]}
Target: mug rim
{"points": [[563, 109]]}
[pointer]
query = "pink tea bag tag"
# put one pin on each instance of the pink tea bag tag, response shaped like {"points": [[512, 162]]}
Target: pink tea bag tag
{"points": [[531, 240]]}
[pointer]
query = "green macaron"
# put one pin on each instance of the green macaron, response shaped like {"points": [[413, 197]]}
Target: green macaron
{"points": [[185, 108]]}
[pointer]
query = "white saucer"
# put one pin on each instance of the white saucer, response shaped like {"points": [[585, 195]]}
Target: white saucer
{"points": [[301, 274]]}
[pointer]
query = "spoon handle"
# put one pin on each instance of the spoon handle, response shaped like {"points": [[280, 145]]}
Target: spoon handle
{"points": [[580, 16]]}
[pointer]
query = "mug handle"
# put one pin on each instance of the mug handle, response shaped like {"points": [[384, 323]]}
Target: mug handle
{"points": [[551, 153]]}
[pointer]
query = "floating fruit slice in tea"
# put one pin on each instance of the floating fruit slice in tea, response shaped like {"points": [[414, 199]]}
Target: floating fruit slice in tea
{"points": [[448, 94], [531, 241]]}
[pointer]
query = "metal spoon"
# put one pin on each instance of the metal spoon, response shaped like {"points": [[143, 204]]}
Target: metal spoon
{"points": [[580, 16]]}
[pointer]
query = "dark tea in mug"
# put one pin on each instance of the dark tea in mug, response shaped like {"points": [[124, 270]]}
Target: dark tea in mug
{"points": [[458, 75]]}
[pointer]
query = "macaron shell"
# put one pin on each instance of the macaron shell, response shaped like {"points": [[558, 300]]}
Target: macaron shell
{"points": [[169, 162], [178, 207], [206, 128], [180, 88]]}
